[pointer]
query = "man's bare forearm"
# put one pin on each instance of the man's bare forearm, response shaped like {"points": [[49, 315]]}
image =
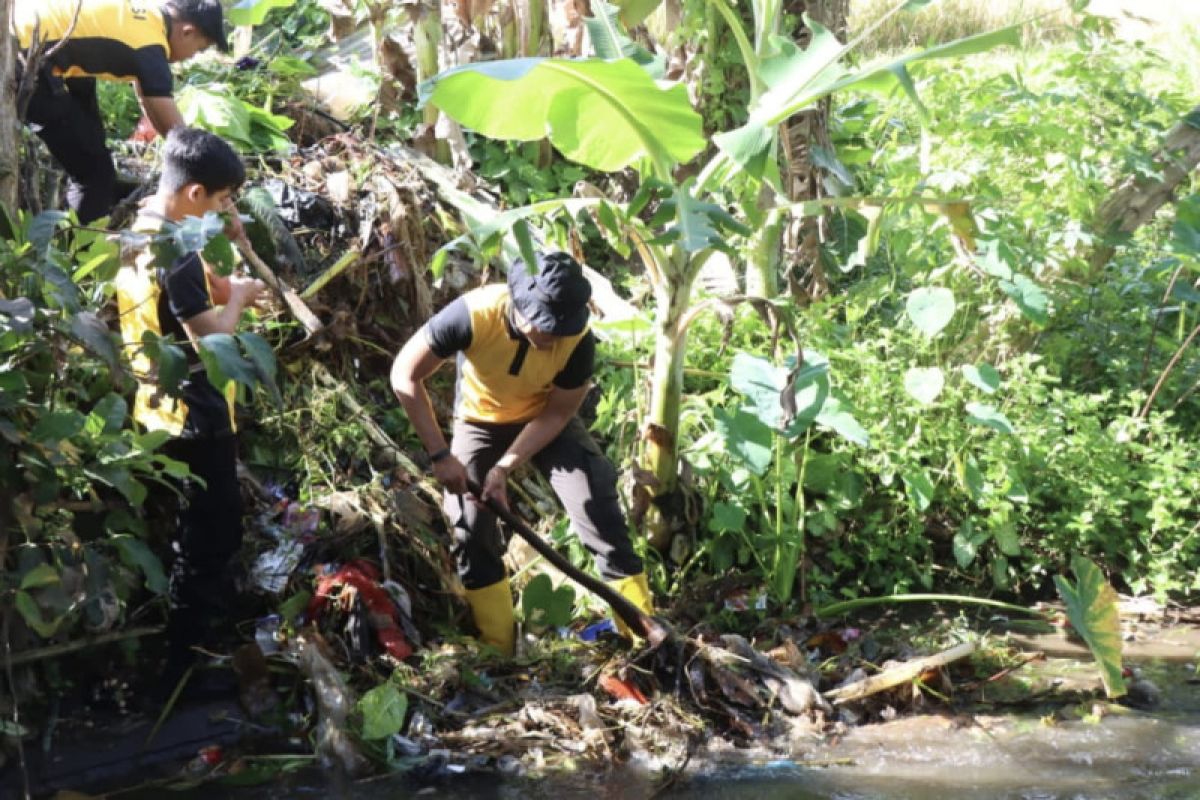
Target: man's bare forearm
{"points": [[419, 408]]}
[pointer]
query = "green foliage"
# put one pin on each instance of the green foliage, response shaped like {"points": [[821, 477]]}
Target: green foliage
{"points": [[254, 12], [1092, 608], [547, 607], [246, 125], [383, 709], [605, 115], [73, 470]]}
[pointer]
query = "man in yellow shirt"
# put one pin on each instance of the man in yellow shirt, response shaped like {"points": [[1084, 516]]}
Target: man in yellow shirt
{"points": [[525, 361], [119, 40]]}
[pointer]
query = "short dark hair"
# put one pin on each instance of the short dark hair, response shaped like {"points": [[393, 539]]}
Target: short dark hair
{"points": [[191, 155], [204, 14]]}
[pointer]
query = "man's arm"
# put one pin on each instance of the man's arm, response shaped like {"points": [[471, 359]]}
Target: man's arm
{"points": [[242, 292], [414, 363], [161, 111], [561, 406]]}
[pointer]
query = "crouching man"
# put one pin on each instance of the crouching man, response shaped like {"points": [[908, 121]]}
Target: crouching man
{"points": [[525, 361]]}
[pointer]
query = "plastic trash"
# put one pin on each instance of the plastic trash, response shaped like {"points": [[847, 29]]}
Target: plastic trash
{"points": [[363, 579], [594, 631], [334, 703], [266, 634]]}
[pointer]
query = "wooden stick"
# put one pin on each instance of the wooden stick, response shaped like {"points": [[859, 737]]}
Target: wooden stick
{"points": [[903, 673], [652, 630], [298, 307], [56, 650]]}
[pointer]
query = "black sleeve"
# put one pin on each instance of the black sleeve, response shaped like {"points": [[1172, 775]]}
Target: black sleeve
{"points": [[154, 72], [579, 367], [449, 331], [186, 288]]}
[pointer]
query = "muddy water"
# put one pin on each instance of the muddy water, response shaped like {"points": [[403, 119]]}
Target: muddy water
{"points": [[1126, 755]]}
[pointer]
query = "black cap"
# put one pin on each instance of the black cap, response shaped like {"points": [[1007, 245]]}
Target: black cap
{"points": [[555, 299], [205, 15]]}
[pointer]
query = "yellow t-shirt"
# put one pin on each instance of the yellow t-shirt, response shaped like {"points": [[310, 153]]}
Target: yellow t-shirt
{"points": [[119, 40], [502, 378], [157, 299]]}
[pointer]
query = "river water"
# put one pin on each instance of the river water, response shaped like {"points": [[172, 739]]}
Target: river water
{"points": [[1036, 755]]}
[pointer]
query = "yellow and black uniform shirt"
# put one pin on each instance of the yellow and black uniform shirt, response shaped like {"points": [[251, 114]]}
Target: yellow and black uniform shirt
{"points": [[116, 40], [157, 299], [502, 378]]}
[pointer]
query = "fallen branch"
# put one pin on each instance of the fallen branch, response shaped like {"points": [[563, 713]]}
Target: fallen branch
{"points": [[904, 673], [56, 650], [375, 433], [299, 309]]}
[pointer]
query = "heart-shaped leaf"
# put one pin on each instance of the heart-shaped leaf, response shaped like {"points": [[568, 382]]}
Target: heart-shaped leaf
{"points": [[983, 377], [924, 384], [989, 417], [930, 308]]}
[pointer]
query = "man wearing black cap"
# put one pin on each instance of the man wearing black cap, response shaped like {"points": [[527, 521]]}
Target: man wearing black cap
{"points": [[525, 361], [120, 40]]}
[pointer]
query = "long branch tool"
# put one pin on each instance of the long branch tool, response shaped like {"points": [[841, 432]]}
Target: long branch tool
{"points": [[652, 630], [299, 309]]}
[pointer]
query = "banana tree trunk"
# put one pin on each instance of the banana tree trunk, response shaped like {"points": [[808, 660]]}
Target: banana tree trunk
{"points": [[1136, 200], [535, 22], [9, 135], [661, 433], [426, 20], [803, 179]]}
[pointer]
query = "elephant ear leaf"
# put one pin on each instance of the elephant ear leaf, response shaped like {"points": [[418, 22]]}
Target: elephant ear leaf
{"points": [[1092, 609]]}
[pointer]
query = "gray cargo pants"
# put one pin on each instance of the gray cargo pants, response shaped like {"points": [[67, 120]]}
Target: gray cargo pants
{"points": [[580, 474]]}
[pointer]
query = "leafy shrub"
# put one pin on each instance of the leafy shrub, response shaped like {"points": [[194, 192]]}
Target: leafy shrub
{"points": [[74, 473]]}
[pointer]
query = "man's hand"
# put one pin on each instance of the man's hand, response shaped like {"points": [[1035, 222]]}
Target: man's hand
{"points": [[234, 231], [245, 291], [451, 474], [495, 486]]}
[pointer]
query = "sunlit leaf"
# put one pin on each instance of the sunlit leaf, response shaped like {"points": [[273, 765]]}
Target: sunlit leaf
{"points": [[761, 382], [1092, 608], [983, 377], [545, 606], [930, 309], [254, 12], [920, 488], [839, 418], [1029, 297], [967, 542], [924, 384], [108, 416], [383, 709], [989, 417], [746, 438], [606, 115]]}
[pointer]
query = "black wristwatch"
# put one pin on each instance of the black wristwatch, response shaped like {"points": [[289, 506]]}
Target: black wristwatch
{"points": [[439, 455]]}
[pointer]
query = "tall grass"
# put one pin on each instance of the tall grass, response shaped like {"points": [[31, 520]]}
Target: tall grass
{"points": [[953, 19]]}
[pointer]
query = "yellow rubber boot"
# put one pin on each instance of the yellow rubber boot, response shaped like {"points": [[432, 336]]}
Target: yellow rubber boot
{"points": [[492, 608], [636, 590]]}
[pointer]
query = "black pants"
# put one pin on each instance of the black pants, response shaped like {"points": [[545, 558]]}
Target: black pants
{"points": [[582, 477], [65, 114], [209, 534]]}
